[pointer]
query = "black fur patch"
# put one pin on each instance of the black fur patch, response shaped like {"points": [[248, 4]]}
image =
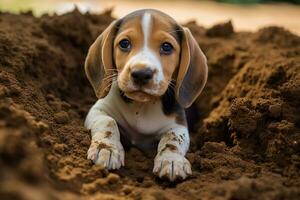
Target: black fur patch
{"points": [[171, 106], [177, 33], [124, 97], [169, 103]]}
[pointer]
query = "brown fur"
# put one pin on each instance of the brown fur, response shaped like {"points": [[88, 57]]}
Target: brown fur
{"points": [[192, 74], [102, 145], [99, 61], [169, 147], [108, 134]]}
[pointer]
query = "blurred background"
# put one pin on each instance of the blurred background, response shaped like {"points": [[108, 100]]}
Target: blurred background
{"points": [[246, 15]]}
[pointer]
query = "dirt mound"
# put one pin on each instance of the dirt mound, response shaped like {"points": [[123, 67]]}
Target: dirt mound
{"points": [[246, 138]]}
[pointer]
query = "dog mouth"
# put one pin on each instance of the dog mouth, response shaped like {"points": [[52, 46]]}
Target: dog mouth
{"points": [[140, 95]]}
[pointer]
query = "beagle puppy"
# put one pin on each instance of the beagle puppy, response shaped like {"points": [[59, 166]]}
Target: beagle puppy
{"points": [[145, 69]]}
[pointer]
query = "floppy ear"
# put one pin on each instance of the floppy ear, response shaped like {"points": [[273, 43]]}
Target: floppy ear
{"points": [[192, 73], [99, 61]]}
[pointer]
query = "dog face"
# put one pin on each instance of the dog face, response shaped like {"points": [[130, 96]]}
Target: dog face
{"points": [[148, 52]]}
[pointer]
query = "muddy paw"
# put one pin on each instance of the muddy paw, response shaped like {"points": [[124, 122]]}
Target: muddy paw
{"points": [[172, 166], [109, 156]]}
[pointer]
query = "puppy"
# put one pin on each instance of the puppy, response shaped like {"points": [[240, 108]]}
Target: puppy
{"points": [[145, 69]]}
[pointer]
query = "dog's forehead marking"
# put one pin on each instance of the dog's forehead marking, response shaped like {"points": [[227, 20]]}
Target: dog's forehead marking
{"points": [[146, 27]]}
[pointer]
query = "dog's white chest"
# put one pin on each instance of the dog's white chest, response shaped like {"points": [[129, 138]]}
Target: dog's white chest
{"points": [[137, 119], [145, 119]]}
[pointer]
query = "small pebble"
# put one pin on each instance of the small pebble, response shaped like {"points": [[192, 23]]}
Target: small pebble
{"points": [[61, 117], [275, 110], [59, 147], [3, 91], [191, 157], [113, 178], [127, 189]]}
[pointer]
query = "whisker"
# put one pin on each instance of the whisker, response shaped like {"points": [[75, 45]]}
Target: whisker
{"points": [[111, 72], [172, 87], [176, 31], [107, 80], [171, 84], [110, 76], [108, 86], [110, 69]]}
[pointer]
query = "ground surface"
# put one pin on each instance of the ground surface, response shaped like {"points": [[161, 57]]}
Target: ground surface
{"points": [[245, 138]]}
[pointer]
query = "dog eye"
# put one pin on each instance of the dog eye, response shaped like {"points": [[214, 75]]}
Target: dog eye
{"points": [[166, 48], [125, 45]]}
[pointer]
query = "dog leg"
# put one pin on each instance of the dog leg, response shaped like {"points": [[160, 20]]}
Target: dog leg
{"points": [[106, 148], [170, 161]]}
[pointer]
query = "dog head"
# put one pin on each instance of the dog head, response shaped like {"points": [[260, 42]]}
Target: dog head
{"points": [[147, 52]]}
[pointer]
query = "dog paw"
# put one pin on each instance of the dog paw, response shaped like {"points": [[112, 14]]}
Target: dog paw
{"points": [[110, 156], [172, 166]]}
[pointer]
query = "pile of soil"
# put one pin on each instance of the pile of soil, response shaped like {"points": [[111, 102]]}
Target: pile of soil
{"points": [[246, 127]]}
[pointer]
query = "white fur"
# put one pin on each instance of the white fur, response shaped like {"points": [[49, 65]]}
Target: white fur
{"points": [[97, 121], [146, 26], [173, 164], [138, 119], [143, 124]]}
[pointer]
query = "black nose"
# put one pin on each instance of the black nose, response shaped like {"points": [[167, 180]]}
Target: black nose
{"points": [[142, 76]]}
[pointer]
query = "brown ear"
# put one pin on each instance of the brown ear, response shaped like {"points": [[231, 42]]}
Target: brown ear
{"points": [[99, 61], [192, 73]]}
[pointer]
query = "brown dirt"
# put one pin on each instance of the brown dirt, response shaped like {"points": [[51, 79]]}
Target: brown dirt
{"points": [[246, 142]]}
